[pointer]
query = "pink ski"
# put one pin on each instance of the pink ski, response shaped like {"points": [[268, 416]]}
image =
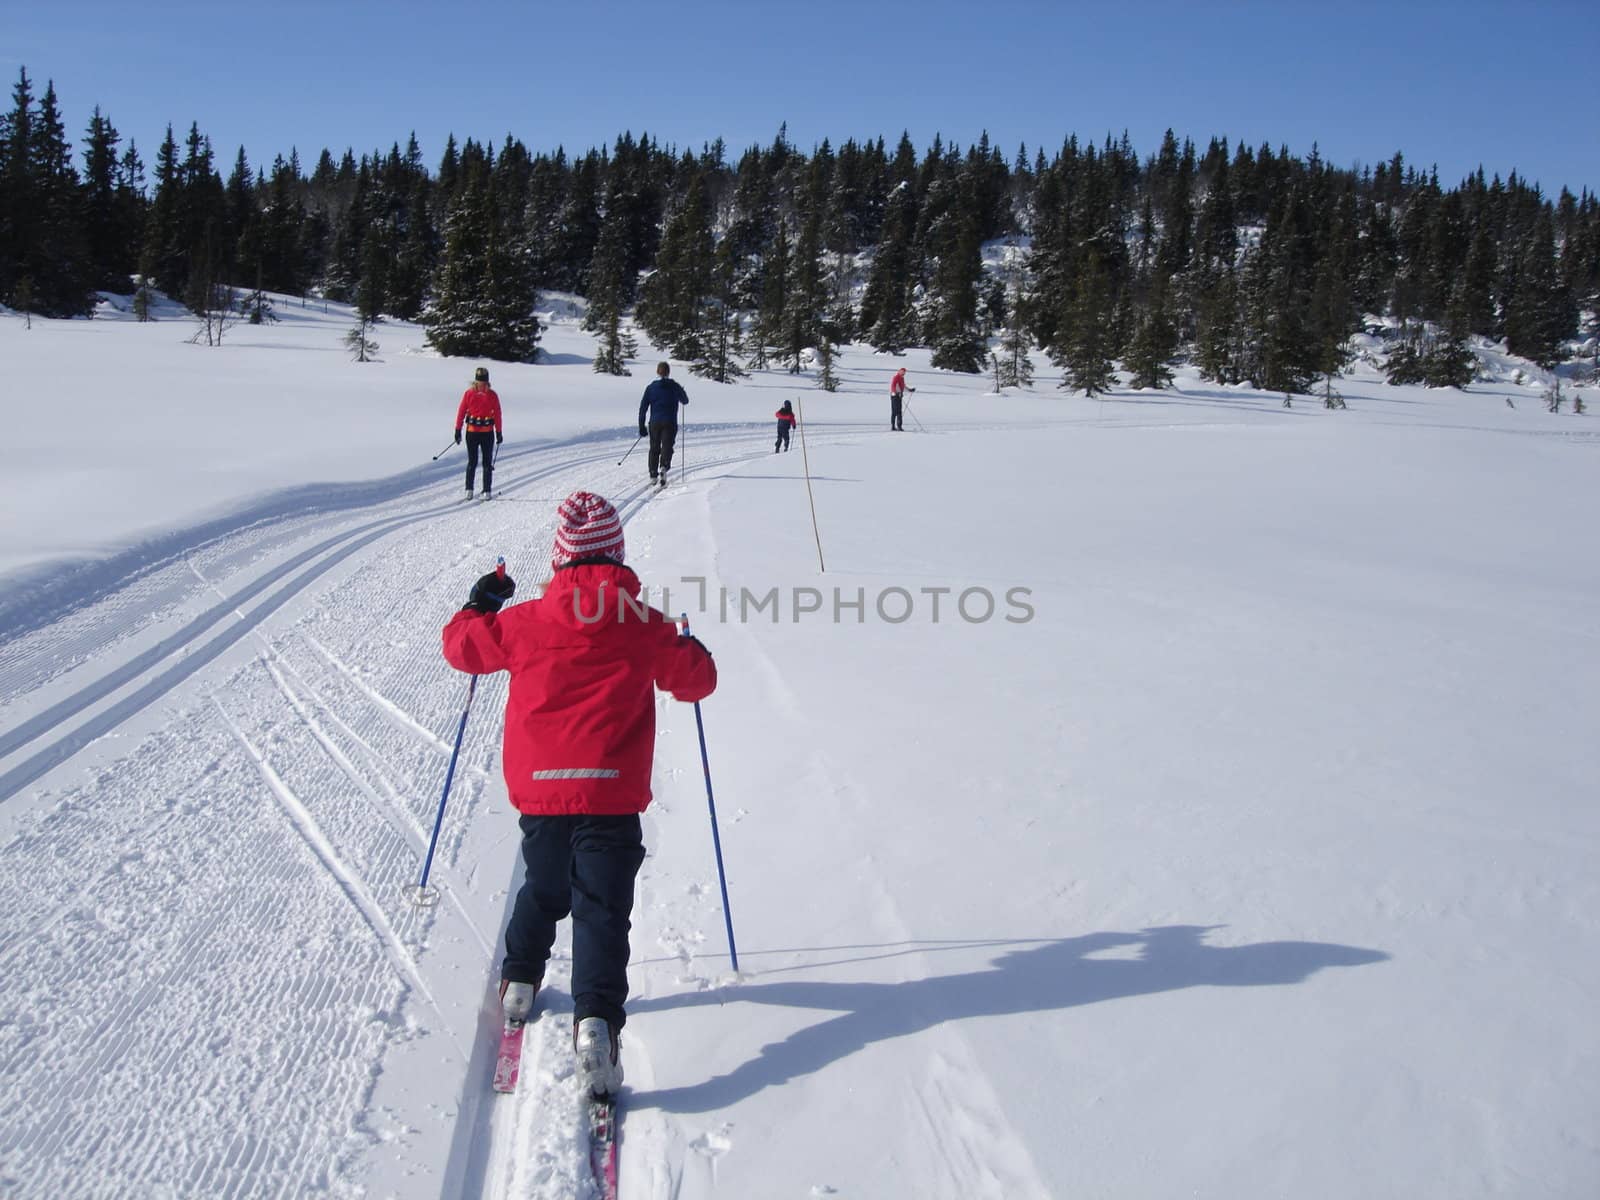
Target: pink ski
{"points": [[603, 1145], [508, 1063]]}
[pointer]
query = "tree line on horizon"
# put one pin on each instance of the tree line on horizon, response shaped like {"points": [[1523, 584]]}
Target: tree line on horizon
{"points": [[1256, 265]]}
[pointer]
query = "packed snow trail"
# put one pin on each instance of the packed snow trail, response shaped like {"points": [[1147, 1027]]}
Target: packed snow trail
{"points": [[230, 814], [1260, 863]]}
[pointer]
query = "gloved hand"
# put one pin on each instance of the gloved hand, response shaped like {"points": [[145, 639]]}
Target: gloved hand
{"points": [[643, 432], [689, 637], [498, 437], [458, 437], [490, 592]]}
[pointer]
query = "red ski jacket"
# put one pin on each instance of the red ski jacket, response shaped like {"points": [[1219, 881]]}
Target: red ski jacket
{"points": [[787, 417], [897, 385], [480, 411], [585, 660]]}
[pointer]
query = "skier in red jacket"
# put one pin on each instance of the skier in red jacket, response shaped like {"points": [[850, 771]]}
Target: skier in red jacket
{"points": [[480, 411], [585, 659], [897, 395], [786, 423]]}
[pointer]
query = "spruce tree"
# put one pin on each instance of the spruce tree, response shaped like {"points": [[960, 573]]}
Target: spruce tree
{"points": [[772, 317], [954, 333], [1407, 358], [1013, 366], [415, 256], [141, 302], [807, 300], [673, 299], [513, 298], [1333, 314], [1085, 348], [1049, 263], [1218, 329], [372, 288], [719, 343], [1476, 295], [359, 342], [723, 340], [1155, 340], [107, 240], [1278, 300], [18, 205], [483, 304], [1540, 313], [1452, 363], [22, 300], [206, 247], [886, 306], [49, 244], [578, 231], [827, 377], [607, 299]]}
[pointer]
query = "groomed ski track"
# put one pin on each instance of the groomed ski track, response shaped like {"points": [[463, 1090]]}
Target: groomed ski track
{"points": [[218, 772]]}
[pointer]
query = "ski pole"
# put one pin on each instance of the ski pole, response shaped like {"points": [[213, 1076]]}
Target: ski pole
{"points": [[636, 441], [683, 472], [442, 453], [422, 895], [716, 841]]}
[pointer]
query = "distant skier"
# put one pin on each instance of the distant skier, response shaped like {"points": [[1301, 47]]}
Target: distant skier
{"points": [[786, 422], [579, 739], [897, 396], [480, 410], [658, 420]]}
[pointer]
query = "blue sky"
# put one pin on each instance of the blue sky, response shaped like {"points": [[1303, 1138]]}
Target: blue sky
{"points": [[1507, 85]]}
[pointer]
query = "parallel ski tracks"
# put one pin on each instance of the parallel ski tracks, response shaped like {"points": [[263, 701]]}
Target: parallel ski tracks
{"points": [[192, 649], [176, 877]]}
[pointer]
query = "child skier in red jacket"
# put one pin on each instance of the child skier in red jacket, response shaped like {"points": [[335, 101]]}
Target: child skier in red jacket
{"points": [[585, 659], [786, 422]]}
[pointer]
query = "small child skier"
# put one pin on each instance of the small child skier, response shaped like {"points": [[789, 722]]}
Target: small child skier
{"points": [[585, 659], [786, 422]]}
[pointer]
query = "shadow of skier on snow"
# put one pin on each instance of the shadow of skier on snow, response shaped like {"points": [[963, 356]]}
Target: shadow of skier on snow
{"points": [[1054, 975]]}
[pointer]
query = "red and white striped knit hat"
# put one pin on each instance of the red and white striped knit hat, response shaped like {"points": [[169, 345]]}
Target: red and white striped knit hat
{"points": [[586, 526]]}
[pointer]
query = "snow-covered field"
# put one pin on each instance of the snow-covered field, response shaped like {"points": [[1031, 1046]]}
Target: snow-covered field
{"points": [[1246, 848]]}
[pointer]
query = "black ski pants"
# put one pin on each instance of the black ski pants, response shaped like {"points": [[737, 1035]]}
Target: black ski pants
{"points": [[662, 436], [783, 437], [896, 400], [480, 443], [583, 866]]}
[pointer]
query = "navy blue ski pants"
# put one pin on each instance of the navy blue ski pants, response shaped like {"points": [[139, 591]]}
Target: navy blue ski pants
{"points": [[480, 443], [662, 435], [583, 866]]}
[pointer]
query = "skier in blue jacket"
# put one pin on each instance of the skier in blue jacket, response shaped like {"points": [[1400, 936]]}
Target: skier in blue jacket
{"points": [[658, 419]]}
